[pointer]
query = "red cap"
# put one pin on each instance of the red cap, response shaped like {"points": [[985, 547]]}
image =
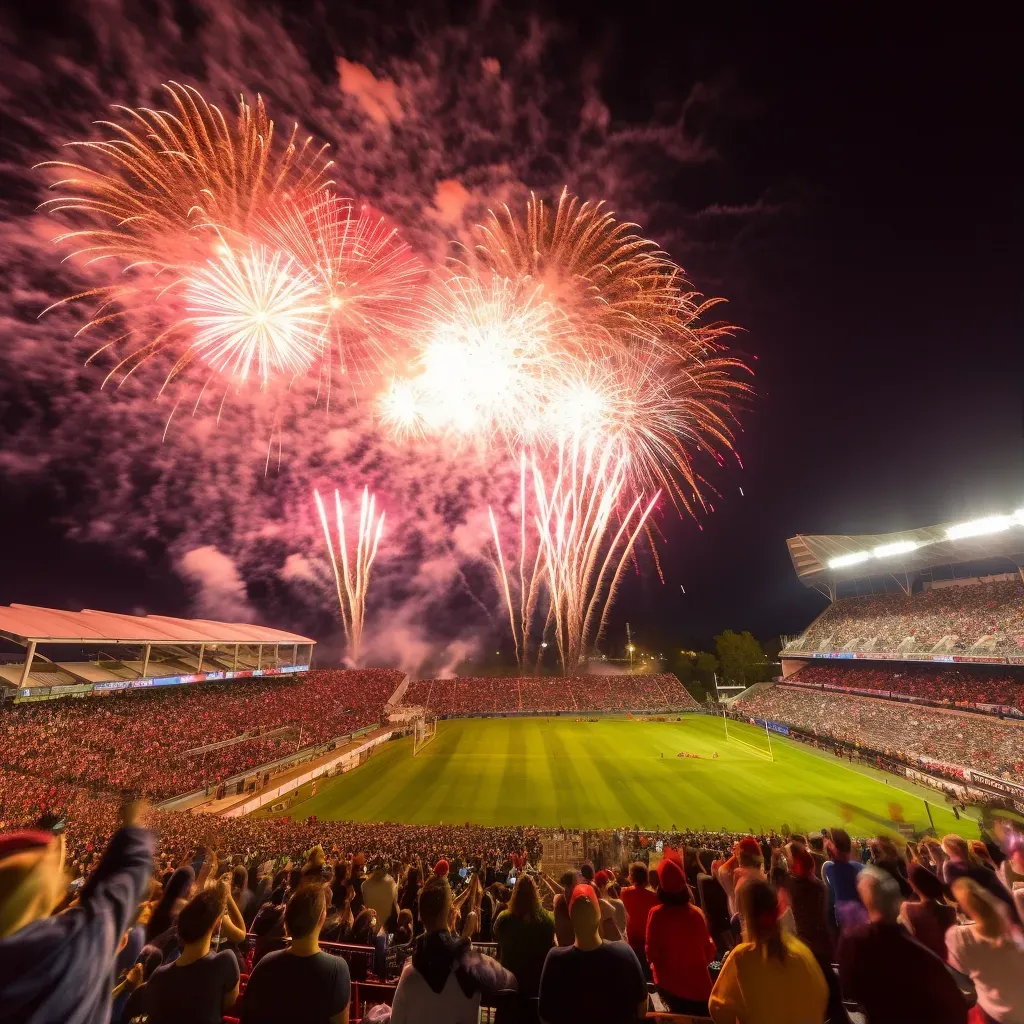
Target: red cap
{"points": [[602, 878], [803, 862], [750, 846], [670, 876], [584, 892], [27, 839], [441, 868]]}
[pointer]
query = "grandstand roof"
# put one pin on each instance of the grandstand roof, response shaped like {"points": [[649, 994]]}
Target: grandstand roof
{"points": [[827, 560], [25, 623]]}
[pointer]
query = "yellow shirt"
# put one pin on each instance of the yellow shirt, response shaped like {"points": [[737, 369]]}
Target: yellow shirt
{"points": [[754, 988]]}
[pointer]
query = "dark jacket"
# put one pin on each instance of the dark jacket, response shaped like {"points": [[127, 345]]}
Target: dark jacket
{"points": [[59, 969], [896, 979]]}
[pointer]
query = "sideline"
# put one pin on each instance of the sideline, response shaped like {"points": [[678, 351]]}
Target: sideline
{"points": [[907, 786]]}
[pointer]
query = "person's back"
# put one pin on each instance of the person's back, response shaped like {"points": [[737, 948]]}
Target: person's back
{"points": [[54, 969], [592, 980], [198, 986], [563, 925], [990, 952], [380, 893], [888, 972], [444, 980], [770, 977], [302, 984], [524, 933], [639, 901]]}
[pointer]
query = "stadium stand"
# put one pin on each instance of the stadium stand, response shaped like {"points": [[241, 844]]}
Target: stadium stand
{"points": [[965, 686], [907, 730], [467, 695], [984, 618], [146, 740]]}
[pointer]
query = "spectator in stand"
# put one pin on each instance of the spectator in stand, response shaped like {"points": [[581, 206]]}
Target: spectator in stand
{"points": [[962, 863], [380, 894], [301, 984], [990, 951], [746, 862], [592, 980], [840, 873], [200, 986], [613, 911], [893, 977], [443, 981], [55, 969], [678, 944], [808, 903], [770, 977], [564, 934], [639, 899], [929, 917], [524, 934]]}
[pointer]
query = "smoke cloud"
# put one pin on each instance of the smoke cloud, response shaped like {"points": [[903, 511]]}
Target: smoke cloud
{"points": [[430, 122]]}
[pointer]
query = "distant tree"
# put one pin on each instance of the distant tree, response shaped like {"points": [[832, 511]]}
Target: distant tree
{"points": [[696, 671], [742, 659]]}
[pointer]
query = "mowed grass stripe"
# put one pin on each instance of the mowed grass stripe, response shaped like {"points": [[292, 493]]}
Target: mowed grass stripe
{"points": [[551, 772]]}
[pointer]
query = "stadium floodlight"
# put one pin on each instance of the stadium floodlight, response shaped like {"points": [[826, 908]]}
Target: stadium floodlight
{"points": [[985, 525], [851, 559], [899, 547]]}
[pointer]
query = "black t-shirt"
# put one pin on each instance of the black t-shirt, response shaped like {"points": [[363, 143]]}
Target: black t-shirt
{"points": [[289, 989], [193, 994], [600, 986]]}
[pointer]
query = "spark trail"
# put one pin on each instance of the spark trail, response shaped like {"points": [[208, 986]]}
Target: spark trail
{"points": [[582, 533], [352, 575]]}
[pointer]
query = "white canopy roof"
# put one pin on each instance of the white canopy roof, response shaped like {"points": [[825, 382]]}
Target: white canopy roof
{"points": [[25, 623]]}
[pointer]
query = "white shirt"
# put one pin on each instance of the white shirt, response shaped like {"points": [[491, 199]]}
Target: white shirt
{"points": [[416, 1003], [996, 968]]}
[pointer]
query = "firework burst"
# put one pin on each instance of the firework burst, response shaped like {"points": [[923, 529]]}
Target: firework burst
{"points": [[257, 312], [490, 355], [370, 280], [150, 192], [352, 575]]}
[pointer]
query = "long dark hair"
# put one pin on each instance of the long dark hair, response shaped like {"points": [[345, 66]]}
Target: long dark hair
{"points": [[177, 888], [525, 901]]}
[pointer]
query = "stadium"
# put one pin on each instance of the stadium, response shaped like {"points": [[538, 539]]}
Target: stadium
{"points": [[898, 712], [395, 617]]}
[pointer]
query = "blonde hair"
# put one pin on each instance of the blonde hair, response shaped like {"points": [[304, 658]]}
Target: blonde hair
{"points": [[981, 907]]}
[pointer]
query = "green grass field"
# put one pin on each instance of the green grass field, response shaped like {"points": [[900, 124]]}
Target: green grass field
{"points": [[556, 772]]}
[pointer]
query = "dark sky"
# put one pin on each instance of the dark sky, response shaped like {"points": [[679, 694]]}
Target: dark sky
{"points": [[878, 284]]}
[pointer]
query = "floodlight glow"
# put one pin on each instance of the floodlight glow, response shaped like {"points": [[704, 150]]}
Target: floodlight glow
{"points": [[986, 525], [899, 547], [851, 559]]}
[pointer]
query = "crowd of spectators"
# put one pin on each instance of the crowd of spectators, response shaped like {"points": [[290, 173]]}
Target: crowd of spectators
{"points": [[468, 695], [141, 740], [990, 614], [190, 926], [962, 685], [906, 731]]}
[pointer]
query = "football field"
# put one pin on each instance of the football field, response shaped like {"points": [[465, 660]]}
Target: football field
{"points": [[614, 773]]}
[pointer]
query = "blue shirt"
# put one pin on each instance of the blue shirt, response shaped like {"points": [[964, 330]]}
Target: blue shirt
{"points": [[58, 970]]}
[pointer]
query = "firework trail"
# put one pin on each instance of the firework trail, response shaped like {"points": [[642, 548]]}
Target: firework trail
{"points": [[352, 577], [583, 531]]}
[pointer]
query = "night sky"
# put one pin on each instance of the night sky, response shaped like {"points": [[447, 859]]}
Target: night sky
{"points": [[855, 196]]}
